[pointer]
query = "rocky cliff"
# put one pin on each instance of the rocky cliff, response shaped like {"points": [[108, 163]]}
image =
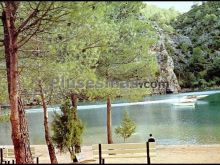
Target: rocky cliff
{"points": [[165, 63], [189, 45]]}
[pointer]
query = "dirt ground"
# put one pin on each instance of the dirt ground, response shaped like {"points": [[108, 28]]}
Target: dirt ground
{"points": [[164, 154]]}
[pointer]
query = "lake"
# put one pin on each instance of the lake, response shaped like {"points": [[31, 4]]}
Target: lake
{"points": [[169, 124]]}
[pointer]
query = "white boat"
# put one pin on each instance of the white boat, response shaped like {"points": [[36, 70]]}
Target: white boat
{"points": [[201, 96], [189, 100]]}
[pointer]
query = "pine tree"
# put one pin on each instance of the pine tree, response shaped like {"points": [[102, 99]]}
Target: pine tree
{"points": [[127, 127], [68, 130]]}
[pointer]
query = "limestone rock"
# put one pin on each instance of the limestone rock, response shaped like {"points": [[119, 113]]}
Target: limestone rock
{"points": [[166, 65]]}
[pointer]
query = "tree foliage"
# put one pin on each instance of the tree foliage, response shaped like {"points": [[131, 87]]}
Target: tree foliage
{"points": [[201, 26], [164, 17], [127, 127], [67, 129]]}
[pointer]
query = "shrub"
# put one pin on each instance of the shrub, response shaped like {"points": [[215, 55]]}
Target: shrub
{"points": [[67, 129], [127, 127]]}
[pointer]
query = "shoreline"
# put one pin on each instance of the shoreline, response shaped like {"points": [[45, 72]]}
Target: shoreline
{"points": [[184, 90], [192, 153]]}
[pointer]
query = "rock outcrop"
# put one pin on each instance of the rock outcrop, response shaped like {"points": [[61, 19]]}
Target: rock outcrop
{"points": [[166, 65]]}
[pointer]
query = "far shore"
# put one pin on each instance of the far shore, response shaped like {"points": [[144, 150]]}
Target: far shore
{"points": [[165, 154], [184, 90]]}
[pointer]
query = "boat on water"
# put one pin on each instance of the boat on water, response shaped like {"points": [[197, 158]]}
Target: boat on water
{"points": [[189, 100], [201, 96]]}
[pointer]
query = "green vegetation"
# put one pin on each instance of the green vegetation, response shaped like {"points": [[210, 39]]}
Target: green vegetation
{"points": [[107, 41], [195, 38], [127, 127], [92, 40], [162, 17], [201, 25], [4, 118], [68, 130]]}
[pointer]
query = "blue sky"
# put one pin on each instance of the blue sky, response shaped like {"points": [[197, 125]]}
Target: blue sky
{"points": [[182, 6]]}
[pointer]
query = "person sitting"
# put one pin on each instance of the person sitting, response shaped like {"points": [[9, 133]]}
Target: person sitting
{"points": [[151, 139]]}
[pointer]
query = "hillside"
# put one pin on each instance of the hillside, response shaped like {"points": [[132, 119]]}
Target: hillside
{"points": [[192, 41], [197, 50]]}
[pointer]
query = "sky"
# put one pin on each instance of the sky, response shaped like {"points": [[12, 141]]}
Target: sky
{"points": [[182, 6]]}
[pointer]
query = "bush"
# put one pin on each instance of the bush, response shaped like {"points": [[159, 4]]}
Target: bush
{"points": [[184, 47], [202, 83], [67, 129], [214, 69], [127, 127]]}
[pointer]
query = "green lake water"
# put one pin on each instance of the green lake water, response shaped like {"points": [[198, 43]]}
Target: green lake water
{"points": [[169, 124]]}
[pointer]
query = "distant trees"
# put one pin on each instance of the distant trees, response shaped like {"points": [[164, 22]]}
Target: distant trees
{"points": [[164, 17], [213, 72], [200, 57], [197, 61]]}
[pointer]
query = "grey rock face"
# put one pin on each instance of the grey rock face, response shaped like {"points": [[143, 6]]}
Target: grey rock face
{"points": [[166, 65], [180, 39]]}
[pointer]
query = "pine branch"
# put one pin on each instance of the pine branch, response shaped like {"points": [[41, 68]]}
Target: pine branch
{"points": [[25, 40], [33, 14], [24, 26]]}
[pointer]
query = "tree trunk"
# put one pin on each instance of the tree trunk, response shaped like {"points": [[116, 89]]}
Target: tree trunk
{"points": [[74, 100], [109, 121], [20, 136], [72, 155], [51, 149], [24, 129]]}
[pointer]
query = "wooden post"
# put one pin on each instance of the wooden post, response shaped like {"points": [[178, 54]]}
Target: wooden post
{"points": [[100, 154], [148, 153], [1, 154], [109, 121]]}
